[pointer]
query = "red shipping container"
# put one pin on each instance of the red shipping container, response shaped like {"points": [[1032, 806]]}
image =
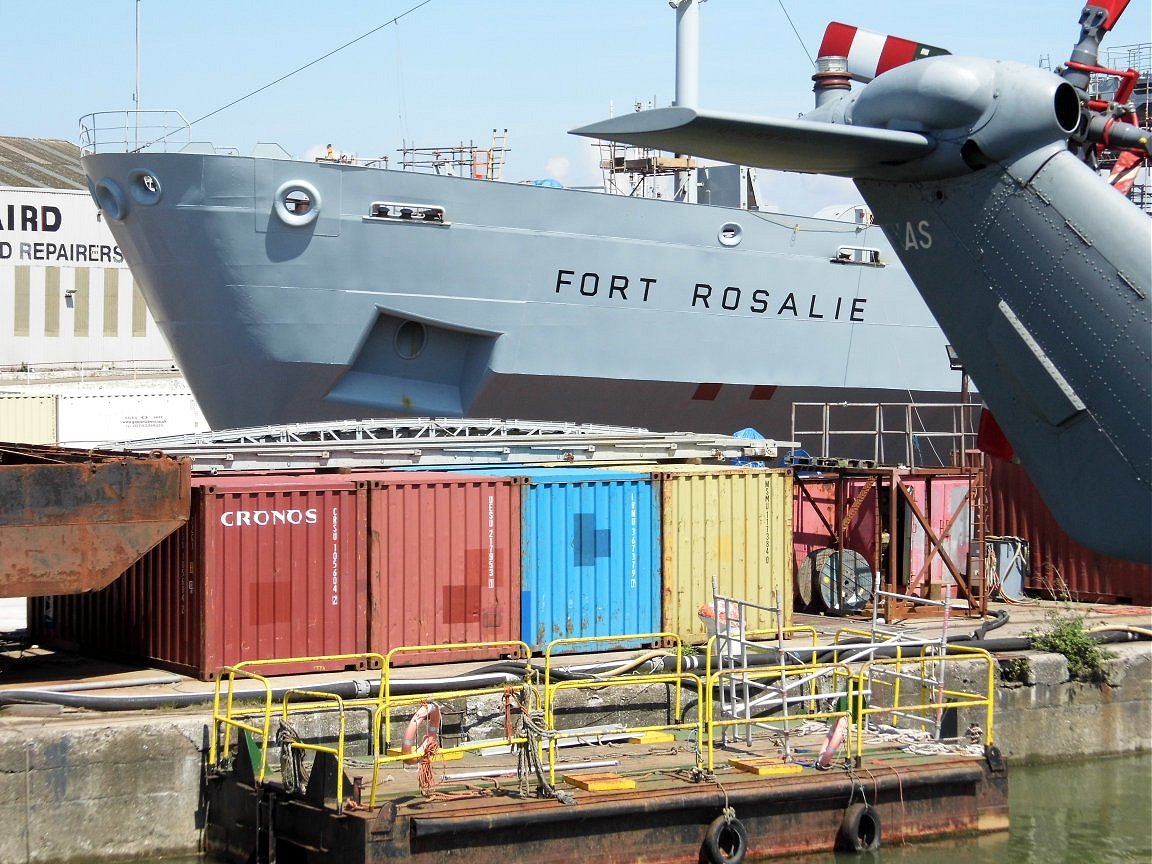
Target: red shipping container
{"points": [[1058, 565], [444, 563], [268, 566]]}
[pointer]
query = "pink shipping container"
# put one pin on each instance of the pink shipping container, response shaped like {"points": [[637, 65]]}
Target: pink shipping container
{"points": [[445, 563], [944, 503], [1058, 565], [268, 566]]}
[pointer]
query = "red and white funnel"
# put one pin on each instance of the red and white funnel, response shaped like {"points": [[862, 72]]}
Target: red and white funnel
{"points": [[870, 53]]}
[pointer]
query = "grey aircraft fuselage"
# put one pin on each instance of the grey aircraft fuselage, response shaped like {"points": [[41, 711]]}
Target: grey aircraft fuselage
{"points": [[1037, 271]]}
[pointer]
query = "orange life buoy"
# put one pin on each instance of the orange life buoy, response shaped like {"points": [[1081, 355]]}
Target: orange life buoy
{"points": [[429, 711]]}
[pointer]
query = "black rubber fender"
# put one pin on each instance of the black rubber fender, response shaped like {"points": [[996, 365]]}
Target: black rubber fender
{"points": [[725, 842], [859, 829]]}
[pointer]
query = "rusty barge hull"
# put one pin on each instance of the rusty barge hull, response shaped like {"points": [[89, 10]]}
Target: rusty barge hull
{"points": [[73, 520], [663, 821]]}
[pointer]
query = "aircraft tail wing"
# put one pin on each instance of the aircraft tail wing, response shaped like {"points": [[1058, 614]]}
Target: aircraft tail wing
{"points": [[787, 145]]}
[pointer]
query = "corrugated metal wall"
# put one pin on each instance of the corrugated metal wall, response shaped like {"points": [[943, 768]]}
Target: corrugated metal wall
{"points": [[267, 567], [285, 568], [28, 419], [734, 526], [1058, 565], [591, 547], [445, 562]]}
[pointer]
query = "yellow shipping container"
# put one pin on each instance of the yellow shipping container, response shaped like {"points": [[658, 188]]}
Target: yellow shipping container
{"points": [[733, 525], [28, 419]]}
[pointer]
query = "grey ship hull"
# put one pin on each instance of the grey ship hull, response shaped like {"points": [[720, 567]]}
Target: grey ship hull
{"points": [[523, 302]]}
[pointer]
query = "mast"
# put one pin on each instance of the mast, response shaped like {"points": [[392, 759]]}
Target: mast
{"points": [[136, 95], [687, 52], [687, 79]]}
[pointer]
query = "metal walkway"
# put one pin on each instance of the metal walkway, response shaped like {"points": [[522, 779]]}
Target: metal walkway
{"points": [[437, 442]]}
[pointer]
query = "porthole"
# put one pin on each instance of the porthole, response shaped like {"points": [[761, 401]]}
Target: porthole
{"points": [[297, 203], [110, 199], [411, 337], [144, 186], [730, 234]]}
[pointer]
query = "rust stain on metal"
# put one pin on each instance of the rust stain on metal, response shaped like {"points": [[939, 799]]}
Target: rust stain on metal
{"points": [[74, 520]]}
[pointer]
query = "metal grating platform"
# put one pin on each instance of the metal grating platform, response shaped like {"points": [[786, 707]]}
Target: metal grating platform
{"points": [[433, 442]]}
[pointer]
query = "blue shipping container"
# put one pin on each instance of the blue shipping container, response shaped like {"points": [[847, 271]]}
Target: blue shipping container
{"points": [[591, 555]]}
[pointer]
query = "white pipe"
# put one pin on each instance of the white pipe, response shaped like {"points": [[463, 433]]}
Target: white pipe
{"points": [[687, 52], [106, 684], [136, 95]]}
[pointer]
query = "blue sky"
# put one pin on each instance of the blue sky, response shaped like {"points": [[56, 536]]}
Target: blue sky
{"points": [[452, 70]]}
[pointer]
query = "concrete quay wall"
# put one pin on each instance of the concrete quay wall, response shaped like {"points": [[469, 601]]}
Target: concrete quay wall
{"points": [[112, 787], [80, 788], [1048, 717]]}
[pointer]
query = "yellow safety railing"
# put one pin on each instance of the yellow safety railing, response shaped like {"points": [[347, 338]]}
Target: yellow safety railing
{"points": [[678, 679], [387, 669], [887, 682], [772, 639], [788, 686], [553, 648], [906, 685], [233, 717], [382, 728], [337, 751]]}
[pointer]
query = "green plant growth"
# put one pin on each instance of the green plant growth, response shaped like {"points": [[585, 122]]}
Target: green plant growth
{"points": [[1015, 669], [1065, 634]]}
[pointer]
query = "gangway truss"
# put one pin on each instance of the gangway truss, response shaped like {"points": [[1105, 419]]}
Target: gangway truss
{"points": [[439, 441]]}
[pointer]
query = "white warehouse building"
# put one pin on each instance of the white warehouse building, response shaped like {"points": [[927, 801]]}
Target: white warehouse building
{"points": [[78, 347]]}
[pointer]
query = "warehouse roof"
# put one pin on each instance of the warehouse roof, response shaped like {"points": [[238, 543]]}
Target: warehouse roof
{"points": [[40, 163]]}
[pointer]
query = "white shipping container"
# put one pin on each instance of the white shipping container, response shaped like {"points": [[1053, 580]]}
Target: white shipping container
{"points": [[28, 419], [103, 418]]}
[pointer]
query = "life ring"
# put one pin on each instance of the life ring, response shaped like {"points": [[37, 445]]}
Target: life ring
{"points": [[859, 829], [429, 711], [725, 842], [296, 203]]}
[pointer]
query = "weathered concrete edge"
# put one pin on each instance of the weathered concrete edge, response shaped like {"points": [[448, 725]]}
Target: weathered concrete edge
{"points": [[1052, 718], [99, 789], [86, 788]]}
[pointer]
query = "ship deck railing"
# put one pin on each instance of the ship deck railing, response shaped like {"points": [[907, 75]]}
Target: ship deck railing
{"points": [[912, 692], [790, 697], [132, 131], [679, 680]]}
